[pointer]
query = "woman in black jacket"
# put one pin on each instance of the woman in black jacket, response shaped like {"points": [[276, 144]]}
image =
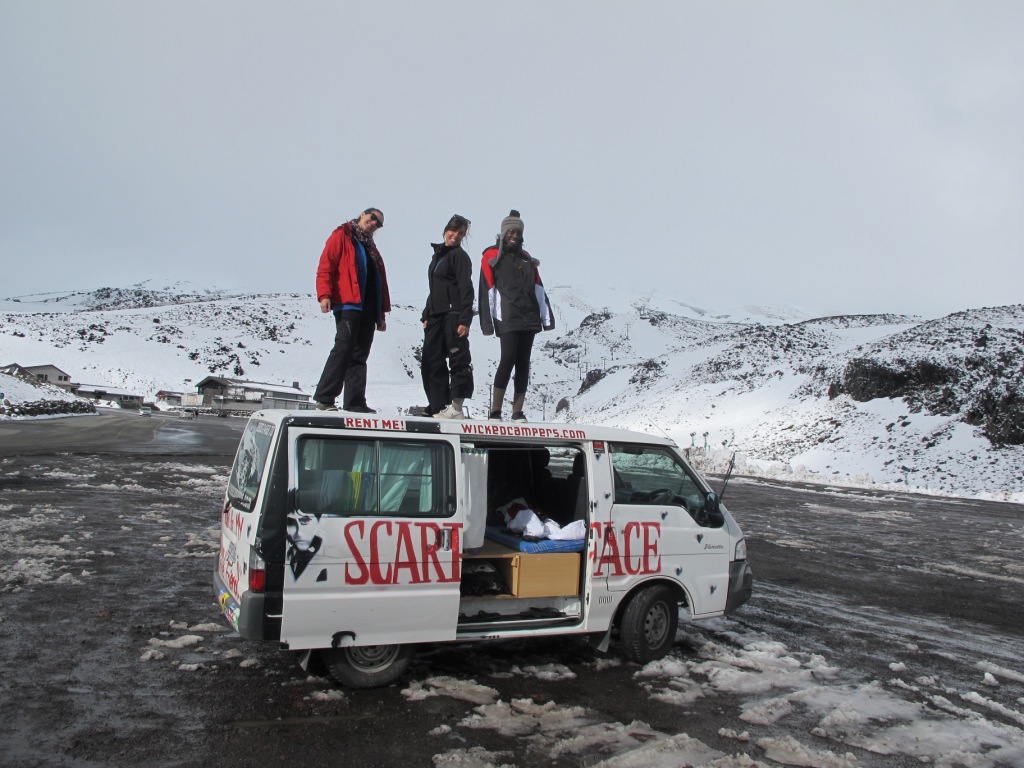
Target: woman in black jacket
{"points": [[513, 305], [446, 365]]}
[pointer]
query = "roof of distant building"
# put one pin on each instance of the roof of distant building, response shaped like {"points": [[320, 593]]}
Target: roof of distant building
{"points": [[250, 385]]}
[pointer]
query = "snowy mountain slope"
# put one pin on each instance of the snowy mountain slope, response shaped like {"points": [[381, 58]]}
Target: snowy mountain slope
{"points": [[138, 295], [774, 393], [888, 399], [159, 347], [969, 364]]}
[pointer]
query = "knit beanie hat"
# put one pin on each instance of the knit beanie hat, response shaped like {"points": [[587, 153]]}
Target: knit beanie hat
{"points": [[510, 222]]}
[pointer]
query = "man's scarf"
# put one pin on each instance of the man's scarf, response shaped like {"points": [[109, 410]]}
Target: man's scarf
{"points": [[366, 238]]}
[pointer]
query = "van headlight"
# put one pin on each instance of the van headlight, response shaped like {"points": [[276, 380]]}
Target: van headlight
{"points": [[741, 550]]}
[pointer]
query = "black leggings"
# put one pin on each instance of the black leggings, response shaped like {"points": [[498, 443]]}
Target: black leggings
{"points": [[516, 347]]}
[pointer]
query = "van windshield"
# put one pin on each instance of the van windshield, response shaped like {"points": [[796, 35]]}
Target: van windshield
{"points": [[250, 461]]}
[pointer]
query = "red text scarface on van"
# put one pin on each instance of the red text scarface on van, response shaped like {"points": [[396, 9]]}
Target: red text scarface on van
{"points": [[638, 551], [416, 547]]}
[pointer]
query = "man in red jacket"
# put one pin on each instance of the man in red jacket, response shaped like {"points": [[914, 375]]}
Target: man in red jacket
{"points": [[352, 283]]}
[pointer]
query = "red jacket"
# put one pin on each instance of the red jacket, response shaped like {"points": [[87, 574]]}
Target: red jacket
{"points": [[337, 278]]}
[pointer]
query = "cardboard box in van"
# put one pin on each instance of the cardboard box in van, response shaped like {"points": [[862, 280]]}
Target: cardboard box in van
{"points": [[552, 574], [555, 574]]}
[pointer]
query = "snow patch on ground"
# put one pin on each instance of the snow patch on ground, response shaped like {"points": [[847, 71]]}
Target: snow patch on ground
{"points": [[783, 693]]}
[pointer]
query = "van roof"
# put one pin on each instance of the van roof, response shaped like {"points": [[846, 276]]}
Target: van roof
{"points": [[464, 427]]}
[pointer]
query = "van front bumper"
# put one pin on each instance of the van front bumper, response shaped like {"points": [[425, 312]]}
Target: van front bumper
{"points": [[247, 617], [741, 585]]}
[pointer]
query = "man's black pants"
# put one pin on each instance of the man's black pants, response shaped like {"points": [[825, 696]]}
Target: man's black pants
{"points": [[446, 365], [346, 364]]}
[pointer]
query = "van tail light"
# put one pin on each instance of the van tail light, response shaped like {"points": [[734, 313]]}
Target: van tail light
{"points": [[257, 573]]}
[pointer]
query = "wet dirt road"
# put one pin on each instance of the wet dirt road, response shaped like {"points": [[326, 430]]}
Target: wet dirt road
{"points": [[114, 654]]}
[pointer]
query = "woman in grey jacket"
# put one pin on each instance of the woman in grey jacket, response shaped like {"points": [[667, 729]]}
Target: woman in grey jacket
{"points": [[515, 307]]}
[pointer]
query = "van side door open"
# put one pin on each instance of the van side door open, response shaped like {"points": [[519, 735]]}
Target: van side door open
{"points": [[374, 522]]}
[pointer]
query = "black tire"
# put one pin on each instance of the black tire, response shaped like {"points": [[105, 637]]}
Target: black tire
{"points": [[367, 666], [648, 626]]}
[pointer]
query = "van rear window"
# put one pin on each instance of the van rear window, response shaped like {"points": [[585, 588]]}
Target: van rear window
{"points": [[342, 477], [250, 462]]}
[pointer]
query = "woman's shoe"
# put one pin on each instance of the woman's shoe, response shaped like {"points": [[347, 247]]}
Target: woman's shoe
{"points": [[359, 409], [519, 416], [450, 412], [495, 416]]}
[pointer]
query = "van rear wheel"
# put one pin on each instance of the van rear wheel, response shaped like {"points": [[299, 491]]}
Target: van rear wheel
{"points": [[649, 623], [368, 666]]}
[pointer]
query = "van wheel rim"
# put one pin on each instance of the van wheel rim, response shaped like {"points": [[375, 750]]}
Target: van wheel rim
{"points": [[371, 658], [656, 625]]}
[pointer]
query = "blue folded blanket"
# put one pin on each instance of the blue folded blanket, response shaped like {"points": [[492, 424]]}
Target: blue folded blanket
{"points": [[500, 535]]}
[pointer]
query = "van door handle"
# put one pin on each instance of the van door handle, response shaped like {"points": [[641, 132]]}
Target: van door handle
{"points": [[443, 540]]}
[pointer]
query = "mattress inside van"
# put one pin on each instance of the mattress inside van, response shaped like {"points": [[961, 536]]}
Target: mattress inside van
{"points": [[500, 535]]}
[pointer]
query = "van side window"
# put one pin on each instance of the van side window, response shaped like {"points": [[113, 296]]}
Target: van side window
{"points": [[647, 474], [250, 461], [352, 477]]}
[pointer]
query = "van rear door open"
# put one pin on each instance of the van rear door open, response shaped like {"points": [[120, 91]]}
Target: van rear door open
{"points": [[374, 538]]}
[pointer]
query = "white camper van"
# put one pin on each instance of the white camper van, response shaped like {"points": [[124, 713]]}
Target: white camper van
{"points": [[359, 538]]}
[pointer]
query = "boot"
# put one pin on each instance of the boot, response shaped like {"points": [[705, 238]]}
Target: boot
{"points": [[497, 398], [517, 407]]}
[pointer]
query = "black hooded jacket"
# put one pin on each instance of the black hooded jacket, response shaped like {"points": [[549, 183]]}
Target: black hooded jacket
{"points": [[450, 276]]}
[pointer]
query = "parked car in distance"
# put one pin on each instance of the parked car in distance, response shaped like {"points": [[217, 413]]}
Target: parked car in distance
{"points": [[145, 410], [187, 414]]}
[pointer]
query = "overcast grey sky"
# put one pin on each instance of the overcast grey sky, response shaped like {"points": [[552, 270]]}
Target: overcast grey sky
{"points": [[839, 156]]}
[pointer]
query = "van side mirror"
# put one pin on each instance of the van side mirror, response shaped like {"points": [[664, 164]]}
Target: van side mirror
{"points": [[711, 503]]}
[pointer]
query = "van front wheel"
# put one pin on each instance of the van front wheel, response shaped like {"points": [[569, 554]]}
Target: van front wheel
{"points": [[648, 626], [367, 666]]}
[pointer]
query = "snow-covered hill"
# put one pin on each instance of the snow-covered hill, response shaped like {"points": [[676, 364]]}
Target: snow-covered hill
{"points": [[144, 294], [889, 400]]}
